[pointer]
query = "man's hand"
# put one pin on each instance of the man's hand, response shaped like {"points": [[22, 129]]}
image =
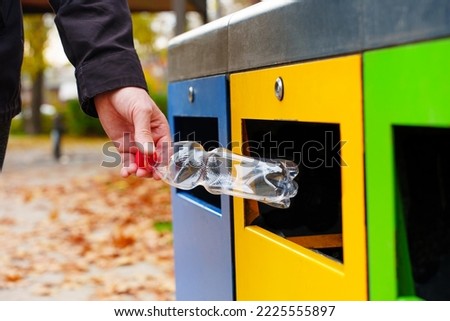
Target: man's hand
{"points": [[132, 121]]}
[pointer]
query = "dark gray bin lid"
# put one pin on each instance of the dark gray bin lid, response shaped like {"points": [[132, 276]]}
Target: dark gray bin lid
{"points": [[279, 32], [200, 52], [284, 31], [393, 22]]}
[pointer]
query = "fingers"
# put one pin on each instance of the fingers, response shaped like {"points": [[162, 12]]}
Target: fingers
{"points": [[129, 166], [133, 164], [142, 118], [144, 121], [144, 172], [128, 170], [131, 110]]}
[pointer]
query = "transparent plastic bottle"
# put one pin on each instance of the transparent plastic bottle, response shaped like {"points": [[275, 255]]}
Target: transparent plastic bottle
{"points": [[187, 165]]}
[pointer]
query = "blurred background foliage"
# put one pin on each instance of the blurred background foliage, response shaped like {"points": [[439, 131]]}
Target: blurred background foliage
{"points": [[43, 78]]}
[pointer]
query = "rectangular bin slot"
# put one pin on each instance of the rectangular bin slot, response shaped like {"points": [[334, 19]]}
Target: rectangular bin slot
{"points": [[422, 157], [314, 219], [204, 130]]}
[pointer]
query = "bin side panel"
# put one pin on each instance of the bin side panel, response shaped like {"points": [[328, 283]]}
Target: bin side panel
{"points": [[407, 86], [204, 268], [269, 267]]}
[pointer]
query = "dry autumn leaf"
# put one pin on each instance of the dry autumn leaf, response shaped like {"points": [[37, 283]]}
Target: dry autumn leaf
{"points": [[13, 277]]}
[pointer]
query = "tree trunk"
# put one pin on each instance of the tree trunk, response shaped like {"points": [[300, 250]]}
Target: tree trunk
{"points": [[35, 122]]}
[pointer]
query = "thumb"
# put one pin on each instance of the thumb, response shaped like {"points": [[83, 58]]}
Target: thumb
{"points": [[142, 132], [145, 146]]}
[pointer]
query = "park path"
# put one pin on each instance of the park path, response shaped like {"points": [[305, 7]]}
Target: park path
{"points": [[74, 230]]}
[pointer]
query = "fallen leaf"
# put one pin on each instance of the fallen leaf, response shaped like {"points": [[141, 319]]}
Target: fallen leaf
{"points": [[13, 277], [53, 215]]}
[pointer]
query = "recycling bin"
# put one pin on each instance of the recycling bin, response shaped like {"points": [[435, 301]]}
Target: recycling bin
{"points": [[356, 92], [407, 137], [201, 221], [316, 249]]}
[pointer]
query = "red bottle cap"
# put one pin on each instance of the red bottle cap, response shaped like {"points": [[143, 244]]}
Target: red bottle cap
{"points": [[144, 161]]}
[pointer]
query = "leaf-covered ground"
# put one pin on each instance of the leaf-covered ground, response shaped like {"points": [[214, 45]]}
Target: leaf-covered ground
{"points": [[75, 230]]}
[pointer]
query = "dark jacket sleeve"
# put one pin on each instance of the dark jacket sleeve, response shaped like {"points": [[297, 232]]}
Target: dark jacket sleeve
{"points": [[11, 54], [98, 41]]}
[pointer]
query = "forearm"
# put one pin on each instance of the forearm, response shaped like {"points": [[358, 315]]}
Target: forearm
{"points": [[97, 38]]}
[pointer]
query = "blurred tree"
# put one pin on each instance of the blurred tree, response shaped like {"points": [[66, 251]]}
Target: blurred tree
{"points": [[34, 64], [246, 3], [143, 34], [80, 124], [147, 28], [225, 7]]}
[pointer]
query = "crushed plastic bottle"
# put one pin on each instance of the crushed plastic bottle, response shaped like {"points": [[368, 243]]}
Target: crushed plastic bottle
{"points": [[187, 165]]}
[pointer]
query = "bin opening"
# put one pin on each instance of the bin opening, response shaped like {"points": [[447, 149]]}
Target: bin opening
{"points": [[314, 219], [204, 130], [422, 159]]}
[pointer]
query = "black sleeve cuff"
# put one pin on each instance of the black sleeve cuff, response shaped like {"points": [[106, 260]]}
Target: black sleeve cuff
{"points": [[120, 69]]}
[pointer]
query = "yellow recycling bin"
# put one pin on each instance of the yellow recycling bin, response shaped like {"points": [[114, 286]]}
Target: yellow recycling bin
{"points": [[316, 249]]}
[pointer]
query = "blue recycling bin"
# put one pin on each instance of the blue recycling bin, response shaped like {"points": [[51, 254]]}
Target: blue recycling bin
{"points": [[199, 111]]}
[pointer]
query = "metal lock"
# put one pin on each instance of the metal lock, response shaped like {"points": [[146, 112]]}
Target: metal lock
{"points": [[279, 88], [191, 94]]}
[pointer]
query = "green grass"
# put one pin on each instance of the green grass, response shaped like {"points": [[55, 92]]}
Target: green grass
{"points": [[163, 226]]}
